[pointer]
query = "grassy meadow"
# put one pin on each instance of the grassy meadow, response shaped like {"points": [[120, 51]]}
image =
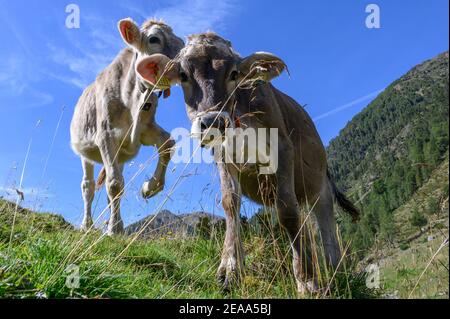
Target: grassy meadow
{"points": [[36, 259]]}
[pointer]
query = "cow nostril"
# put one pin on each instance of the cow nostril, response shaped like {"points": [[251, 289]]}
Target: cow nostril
{"points": [[147, 106], [203, 127], [213, 123], [223, 123]]}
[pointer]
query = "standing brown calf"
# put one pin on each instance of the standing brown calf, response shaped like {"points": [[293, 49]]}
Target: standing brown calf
{"points": [[221, 91]]}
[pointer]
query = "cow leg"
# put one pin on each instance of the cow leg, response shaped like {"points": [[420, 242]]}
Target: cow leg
{"points": [[289, 216], [290, 219], [114, 181], [159, 138], [88, 191], [327, 226], [115, 190], [231, 269]]}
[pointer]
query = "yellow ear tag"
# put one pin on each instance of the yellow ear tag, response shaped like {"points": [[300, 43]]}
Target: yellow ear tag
{"points": [[127, 34], [163, 83], [152, 74]]}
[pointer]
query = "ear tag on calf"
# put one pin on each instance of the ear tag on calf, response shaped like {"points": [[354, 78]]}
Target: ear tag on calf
{"points": [[126, 31], [146, 105], [163, 84], [160, 83], [127, 35], [167, 93]]}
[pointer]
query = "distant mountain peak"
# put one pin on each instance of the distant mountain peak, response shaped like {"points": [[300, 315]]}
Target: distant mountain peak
{"points": [[167, 224]]}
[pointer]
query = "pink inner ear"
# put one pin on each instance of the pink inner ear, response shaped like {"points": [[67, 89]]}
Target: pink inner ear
{"points": [[148, 70], [126, 29]]}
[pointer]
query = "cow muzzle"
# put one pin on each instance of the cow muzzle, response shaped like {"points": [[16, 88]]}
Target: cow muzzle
{"points": [[210, 128]]}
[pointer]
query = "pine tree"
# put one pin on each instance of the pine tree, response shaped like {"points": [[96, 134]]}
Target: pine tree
{"points": [[418, 219]]}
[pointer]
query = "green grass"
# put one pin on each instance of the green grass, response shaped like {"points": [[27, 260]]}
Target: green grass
{"points": [[403, 262], [401, 272], [43, 246]]}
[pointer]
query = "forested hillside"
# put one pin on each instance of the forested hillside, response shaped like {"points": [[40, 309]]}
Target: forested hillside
{"points": [[389, 150]]}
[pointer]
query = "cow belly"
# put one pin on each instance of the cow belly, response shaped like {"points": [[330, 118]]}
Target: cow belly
{"points": [[84, 140], [88, 151], [92, 153], [88, 148], [262, 188], [258, 188]]}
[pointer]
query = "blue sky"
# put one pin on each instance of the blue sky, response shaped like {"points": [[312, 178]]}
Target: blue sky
{"points": [[337, 66]]}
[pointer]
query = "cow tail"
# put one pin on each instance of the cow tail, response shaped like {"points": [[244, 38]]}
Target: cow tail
{"points": [[343, 201], [101, 178]]}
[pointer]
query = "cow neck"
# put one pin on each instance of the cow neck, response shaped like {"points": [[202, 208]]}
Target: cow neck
{"points": [[144, 95], [130, 81]]}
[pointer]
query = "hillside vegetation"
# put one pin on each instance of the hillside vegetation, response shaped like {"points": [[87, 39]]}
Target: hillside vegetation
{"points": [[404, 264], [389, 150], [392, 159]]}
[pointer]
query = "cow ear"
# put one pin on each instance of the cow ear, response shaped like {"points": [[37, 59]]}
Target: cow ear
{"points": [[130, 33], [159, 71], [260, 67]]}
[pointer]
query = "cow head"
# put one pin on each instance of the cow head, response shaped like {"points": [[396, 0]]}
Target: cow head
{"points": [[153, 37], [210, 72]]}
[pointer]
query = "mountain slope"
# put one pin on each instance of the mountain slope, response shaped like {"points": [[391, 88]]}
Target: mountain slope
{"points": [[413, 108], [415, 247], [391, 148], [25, 220], [432, 200], [392, 159], [167, 224]]}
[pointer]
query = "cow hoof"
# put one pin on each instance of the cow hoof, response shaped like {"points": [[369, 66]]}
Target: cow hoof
{"points": [[117, 229], [307, 289], [115, 232], [226, 282], [221, 275], [86, 225], [152, 188], [229, 277], [223, 282]]}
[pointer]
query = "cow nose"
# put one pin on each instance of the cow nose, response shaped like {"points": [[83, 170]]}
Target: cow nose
{"points": [[213, 121]]}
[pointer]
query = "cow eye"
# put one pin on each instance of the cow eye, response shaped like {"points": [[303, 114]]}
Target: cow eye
{"points": [[183, 77], [154, 40], [234, 75]]}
